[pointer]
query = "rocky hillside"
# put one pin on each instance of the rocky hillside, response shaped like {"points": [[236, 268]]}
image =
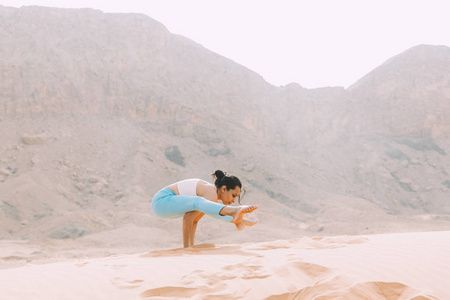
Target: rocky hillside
{"points": [[99, 111]]}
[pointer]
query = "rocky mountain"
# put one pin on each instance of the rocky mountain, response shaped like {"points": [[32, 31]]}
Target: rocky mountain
{"points": [[99, 111]]}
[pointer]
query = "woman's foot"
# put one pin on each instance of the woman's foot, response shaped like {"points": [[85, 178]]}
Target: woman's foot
{"points": [[244, 223], [238, 214]]}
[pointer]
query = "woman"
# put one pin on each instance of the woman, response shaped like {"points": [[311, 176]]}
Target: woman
{"points": [[193, 198]]}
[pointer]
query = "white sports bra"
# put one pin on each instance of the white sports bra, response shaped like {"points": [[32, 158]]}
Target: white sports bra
{"points": [[188, 187]]}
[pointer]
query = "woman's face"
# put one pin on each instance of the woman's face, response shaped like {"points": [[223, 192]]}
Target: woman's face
{"points": [[229, 196]]}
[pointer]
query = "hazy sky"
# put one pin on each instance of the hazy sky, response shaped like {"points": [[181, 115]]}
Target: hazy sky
{"points": [[315, 43]]}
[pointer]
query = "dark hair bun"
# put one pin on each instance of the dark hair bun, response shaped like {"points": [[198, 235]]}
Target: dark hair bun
{"points": [[219, 174]]}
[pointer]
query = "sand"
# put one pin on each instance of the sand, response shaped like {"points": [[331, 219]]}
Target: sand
{"points": [[386, 266]]}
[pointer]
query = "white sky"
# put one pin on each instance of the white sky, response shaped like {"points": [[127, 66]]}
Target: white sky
{"points": [[315, 43]]}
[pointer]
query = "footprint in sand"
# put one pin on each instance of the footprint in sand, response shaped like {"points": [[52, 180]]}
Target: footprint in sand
{"points": [[209, 278], [217, 285], [247, 270], [306, 273]]}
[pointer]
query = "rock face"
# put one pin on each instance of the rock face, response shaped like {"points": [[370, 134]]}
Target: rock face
{"points": [[407, 96], [99, 111]]}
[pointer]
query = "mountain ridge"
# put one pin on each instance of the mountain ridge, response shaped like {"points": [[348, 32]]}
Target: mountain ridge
{"points": [[101, 112]]}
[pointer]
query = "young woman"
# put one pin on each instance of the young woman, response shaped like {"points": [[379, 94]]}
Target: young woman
{"points": [[193, 198]]}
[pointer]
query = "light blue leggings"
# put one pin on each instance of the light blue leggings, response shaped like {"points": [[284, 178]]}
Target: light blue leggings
{"points": [[166, 204]]}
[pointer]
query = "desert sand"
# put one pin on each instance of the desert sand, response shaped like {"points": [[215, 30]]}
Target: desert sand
{"points": [[384, 266]]}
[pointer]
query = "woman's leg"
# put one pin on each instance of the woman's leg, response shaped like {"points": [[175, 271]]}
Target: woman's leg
{"points": [[166, 204]]}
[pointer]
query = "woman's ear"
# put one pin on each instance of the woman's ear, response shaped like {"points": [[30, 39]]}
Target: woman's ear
{"points": [[223, 188]]}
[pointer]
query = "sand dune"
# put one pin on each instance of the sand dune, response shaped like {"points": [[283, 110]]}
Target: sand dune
{"points": [[388, 266]]}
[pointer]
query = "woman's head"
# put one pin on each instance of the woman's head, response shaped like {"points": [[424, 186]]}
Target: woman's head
{"points": [[228, 187]]}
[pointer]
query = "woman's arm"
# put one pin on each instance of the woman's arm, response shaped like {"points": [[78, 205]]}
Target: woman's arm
{"points": [[190, 221]]}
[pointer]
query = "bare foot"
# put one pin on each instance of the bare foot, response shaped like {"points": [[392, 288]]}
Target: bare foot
{"points": [[244, 223], [240, 211]]}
